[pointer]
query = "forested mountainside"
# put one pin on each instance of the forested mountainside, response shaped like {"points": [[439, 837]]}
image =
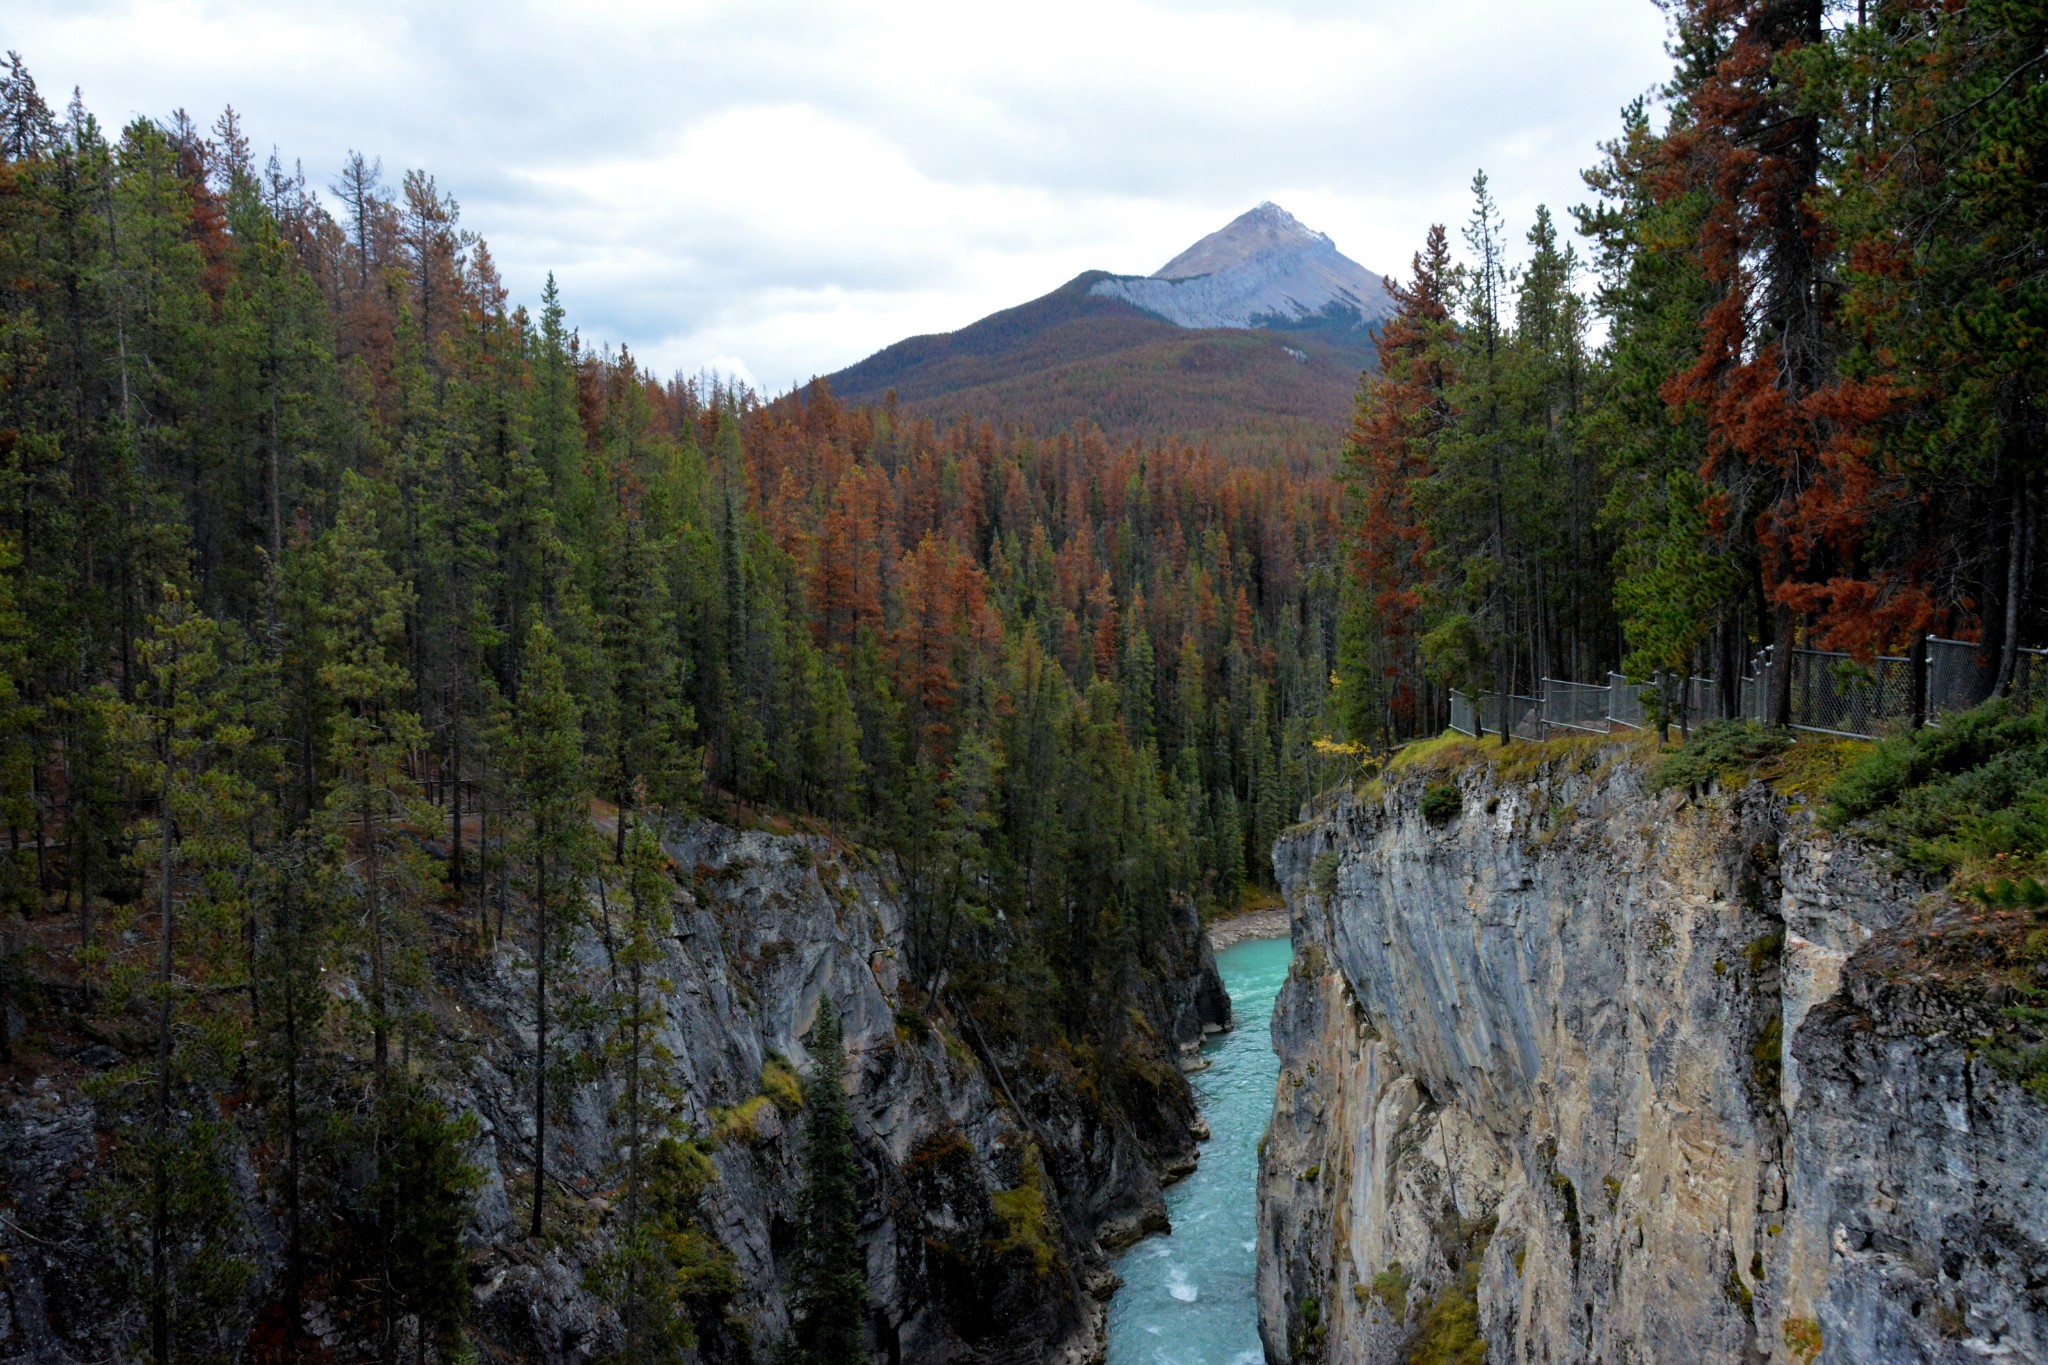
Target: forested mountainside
{"points": [[1251, 341], [376, 659], [1816, 417]]}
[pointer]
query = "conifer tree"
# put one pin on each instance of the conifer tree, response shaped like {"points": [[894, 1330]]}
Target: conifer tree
{"points": [[829, 1289], [371, 738], [430, 1188], [555, 848], [173, 1195]]}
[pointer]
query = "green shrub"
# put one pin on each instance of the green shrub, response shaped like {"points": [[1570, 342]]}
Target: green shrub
{"points": [[1952, 798], [1724, 751], [1449, 1331], [1442, 803], [1764, 950], [1322, 874], [1026, 1227], [2020, 1055], [2010, 893], [1767, 1058], [741, 1124], [1389, 1289]]}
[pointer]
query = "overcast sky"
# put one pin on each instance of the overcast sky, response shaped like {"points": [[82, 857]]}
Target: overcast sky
{"points": [[778, 188]]}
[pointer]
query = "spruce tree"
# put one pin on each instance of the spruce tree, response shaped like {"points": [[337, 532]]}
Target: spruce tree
{"points": [[830, 1289]]}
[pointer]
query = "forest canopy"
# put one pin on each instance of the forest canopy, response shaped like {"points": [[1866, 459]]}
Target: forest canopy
{"points": [[1815, 417], [353, 617]]}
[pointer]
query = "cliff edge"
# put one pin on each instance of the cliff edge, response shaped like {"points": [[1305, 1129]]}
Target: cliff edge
{"points": [[1573, 1070]]}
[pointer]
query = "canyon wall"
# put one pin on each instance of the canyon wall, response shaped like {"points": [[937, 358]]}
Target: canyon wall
{"points": [[1585, 1072], [994, 1187]]}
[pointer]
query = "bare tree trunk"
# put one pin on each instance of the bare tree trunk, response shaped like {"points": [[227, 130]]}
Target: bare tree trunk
{"points": [[6, 977], [540, 1065], [372, 890], [294, 1264], [160, 1220], [2008, 653], [455, 774], [1778, 710]]}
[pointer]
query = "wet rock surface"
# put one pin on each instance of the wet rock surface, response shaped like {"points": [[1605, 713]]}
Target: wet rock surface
{"points": [[1631, 1076]]}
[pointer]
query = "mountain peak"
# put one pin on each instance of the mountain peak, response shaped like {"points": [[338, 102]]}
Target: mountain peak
{"points": [[1252, 233], [1263, 268]]}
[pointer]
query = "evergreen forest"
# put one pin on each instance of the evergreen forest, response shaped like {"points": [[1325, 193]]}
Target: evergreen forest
{"points": [[355, 619], [358, 620], [1790, 395]]}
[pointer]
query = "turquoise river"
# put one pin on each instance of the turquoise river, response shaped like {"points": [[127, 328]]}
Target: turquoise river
{"points": [[1189, 1297]]}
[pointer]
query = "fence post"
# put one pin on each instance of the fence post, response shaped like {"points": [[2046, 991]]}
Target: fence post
{"points": [[1916, 679]]}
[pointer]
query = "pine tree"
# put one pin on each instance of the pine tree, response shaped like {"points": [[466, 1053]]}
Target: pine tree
{"points": [[372, 737], [663, 1268], [170, 1188], [555, 848]]}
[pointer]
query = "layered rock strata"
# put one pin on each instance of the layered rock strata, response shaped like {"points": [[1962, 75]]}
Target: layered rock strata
{"points": [[1598, 1074]]}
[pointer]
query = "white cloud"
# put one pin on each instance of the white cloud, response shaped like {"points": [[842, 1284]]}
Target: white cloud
{"points": [[783, 187]]}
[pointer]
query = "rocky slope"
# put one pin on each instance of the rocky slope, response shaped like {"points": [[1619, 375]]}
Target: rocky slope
{"points": [[961, 1265], [1264, 268], [1592, 1073]]}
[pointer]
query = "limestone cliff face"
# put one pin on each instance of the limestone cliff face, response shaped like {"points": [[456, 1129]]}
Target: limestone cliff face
{"points": [[767, 928], [1632, 1077]]}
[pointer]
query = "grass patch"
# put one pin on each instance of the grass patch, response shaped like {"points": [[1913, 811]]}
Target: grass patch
{"points": [[1765, 950], [780, 1084], [1389, 1289], [1767, 1056], [742, 1122], [1523, 761], [1811, 765], [1448, 750], [1021, 1212], [1802, 1338], [1737, 1292], [1449, 1331]]}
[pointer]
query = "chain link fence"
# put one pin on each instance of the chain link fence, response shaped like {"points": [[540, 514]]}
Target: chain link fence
{"points": [[1575, 706], [1831, 693], [1524, 715], [1961, 675], [1703, 700], [1624, 702], [1834, 694]]}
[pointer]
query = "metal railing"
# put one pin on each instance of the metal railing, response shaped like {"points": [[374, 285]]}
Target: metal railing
{"points": [[1624, 702], [1831, 693], [1575, 706], [1961, 675], [1524, 715]]}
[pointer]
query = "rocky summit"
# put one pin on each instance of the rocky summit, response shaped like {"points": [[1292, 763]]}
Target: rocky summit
{"points": [[1266, 268]]}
